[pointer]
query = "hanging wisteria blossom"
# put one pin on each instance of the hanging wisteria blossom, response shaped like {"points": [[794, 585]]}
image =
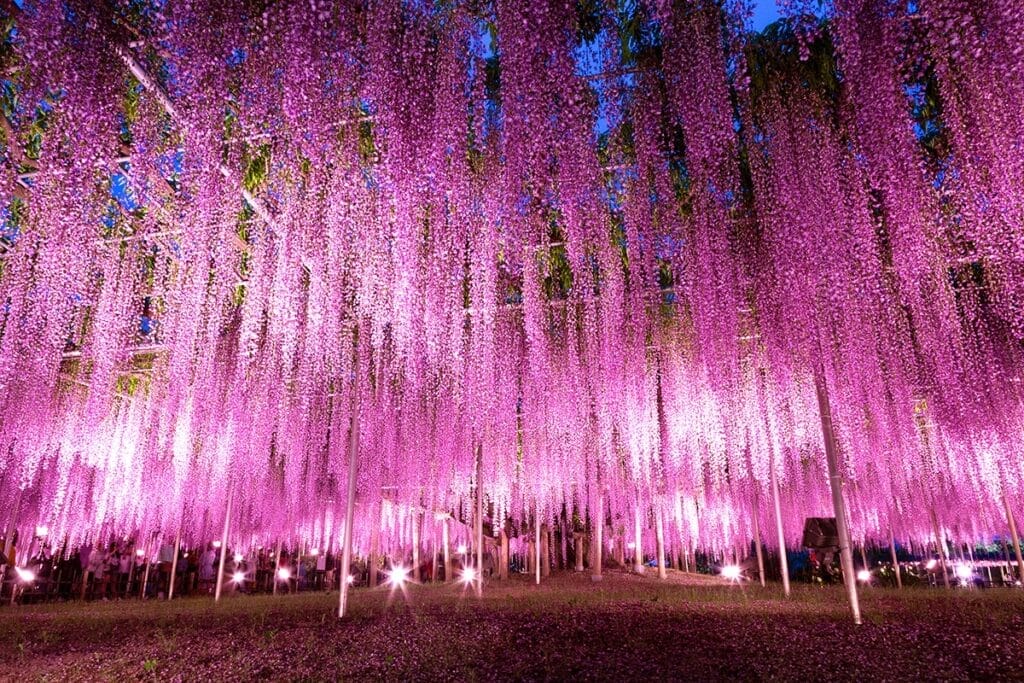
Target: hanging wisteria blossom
{"points": [[592, 262]]}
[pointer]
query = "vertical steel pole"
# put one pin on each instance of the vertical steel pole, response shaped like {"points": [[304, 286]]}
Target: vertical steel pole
{"points": [[174, 565], [131, 571], [223, 547], [1014, 537], [836, 483], [773, 482], [479, 520], [536, 543], [145, 574], [779, 530], [941, 542], [416, 546], [433, 555], [350, 502], [757, 541], [659, 538], [446, 543], [598, 544], [9, 538], [638, 541], [277, 568], [895, 561]]}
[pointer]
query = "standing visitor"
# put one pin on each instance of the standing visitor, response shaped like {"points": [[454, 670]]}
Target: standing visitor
{"points": [[98, 569], [124, 568], [114, 570], [321, 569], [164, 559], [206, 568]]}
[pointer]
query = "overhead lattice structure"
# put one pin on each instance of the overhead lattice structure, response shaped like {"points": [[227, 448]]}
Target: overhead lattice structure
{"points": [[606, 247]]}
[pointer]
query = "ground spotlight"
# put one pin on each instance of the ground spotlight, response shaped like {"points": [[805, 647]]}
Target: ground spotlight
{"points": [[398, 576], [863, 576], [931, 564], [283, 574], [468, 575], [238, 558], [963, 571], [238, 577], [26, 575], [731, 572]]}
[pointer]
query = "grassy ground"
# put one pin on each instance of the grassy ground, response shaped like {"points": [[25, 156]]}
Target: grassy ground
{"points": [[569, 628]]}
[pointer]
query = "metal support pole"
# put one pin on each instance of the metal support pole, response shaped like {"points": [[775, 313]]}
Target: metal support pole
{"points": [[638, 540], [416, 546], [779, 531], [773, 484], [836, 483], [433, 556], [174, 565], [757, 541], [479, 520], [131, 573], [536, 543], [1006, 558], [564, 533], [659, 537], [545, 551], [373, 562], [9, 538], [447, 550], [577, 548], [350, 502], [895, 561], [598, 545], [145, 574], [1014, 537], [277, 568], [223, 547], [941, 543]]}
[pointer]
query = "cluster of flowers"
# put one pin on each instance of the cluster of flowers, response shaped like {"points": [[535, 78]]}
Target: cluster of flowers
{"points": [[606, 256]]}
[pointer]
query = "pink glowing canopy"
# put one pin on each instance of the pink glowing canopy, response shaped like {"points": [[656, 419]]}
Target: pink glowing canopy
{"points": [[606, 247]]}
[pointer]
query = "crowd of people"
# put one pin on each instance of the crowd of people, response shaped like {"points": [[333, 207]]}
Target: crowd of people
{"points": [[126, 569], [123, 570]]}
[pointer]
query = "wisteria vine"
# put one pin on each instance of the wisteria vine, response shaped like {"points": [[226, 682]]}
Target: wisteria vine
{"points": [[611, 245]]}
